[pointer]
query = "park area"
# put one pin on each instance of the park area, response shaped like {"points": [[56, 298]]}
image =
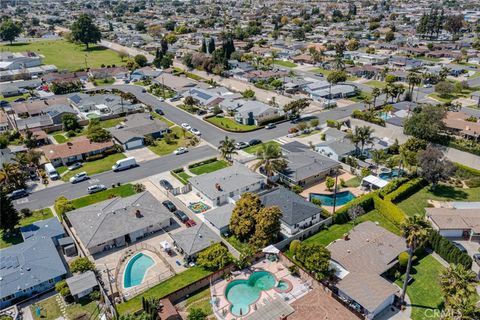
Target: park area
{"points": [[68, 56]]}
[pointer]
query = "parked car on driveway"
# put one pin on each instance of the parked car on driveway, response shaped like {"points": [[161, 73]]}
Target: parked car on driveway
{"points": [[169, 205], [79, 177], [17, 194], [74, 166], [190, 223], [166, 185], [96, 188], [459, 246], [182, 216], [241, 145], [180, 150]]}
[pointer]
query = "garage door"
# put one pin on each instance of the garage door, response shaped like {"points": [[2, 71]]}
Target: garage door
{"points": [[451, 233], [134, 144]]}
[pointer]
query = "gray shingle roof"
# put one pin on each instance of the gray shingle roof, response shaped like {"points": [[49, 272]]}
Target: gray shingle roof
{"points": [[220, 217], [195, 239], [137, 126], [113, 218], [48, 228], [81, 282], [340, 147]]}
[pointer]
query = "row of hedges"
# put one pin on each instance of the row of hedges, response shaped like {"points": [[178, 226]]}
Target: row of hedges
{"points": [[392, 186], [201, 163], [175, 174], [448, 251], [406, 190], [389, 211], [365, 201]]}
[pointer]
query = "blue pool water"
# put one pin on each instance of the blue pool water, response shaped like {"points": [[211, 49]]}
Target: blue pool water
{"points": [[390, 175], [327, 199], [135, 270], [242, 293], [384, 115]]}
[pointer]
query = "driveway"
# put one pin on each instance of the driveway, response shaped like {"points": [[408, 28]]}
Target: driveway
{"points": [[141, 154]]}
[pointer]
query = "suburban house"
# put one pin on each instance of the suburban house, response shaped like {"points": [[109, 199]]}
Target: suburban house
{"points": [[336, 149], [319, 90], [33, 266], [297, 213], [4, 122], [359, 262], [94, 106], [118, 222], [82, 284], [19, 60], [145, 73], [208, 97], [176, 83], [191, 241], [78, 149], [57, 111], [114, 72], [219, 187], [219, 217], [136, 126], [252, 112], [456, 222], [305, 167], [457, 123]]}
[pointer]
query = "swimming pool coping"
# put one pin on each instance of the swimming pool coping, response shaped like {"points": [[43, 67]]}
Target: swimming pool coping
{"points": [[144, 274]]}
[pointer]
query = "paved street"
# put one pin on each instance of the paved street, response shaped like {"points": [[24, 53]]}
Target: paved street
{"points": [[46, 197]]}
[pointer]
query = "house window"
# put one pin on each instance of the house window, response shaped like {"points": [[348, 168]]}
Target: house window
{"points": [[10, 297]]}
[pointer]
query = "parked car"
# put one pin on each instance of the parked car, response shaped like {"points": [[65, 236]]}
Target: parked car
{"points": [[182, 216], [159, 111], [175, 98], [186, 126], [169, 205], [241, 145], [166, 185], [124, 164], [74, 166], [17, 194], [459, 246], [254, 142], [96, 188], [201, 112], [79, 177], [270, 126], [190, 223], [476, 258], [195, 131], [180, 150]]}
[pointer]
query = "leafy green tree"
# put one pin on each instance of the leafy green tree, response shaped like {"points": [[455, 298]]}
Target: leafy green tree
{"points": [[214, 257], [270, 159], [336, 77], [9, 216], [426, 122], [141, 60], [329, 183], [444, 89], [63, 205], [96, 133], [295, 107], [85, 31], [389, 36], [81, 265], [248, 93], [434, 168], [267, 226], [167, 61], [211, 45], [9, 30], [457, 283], [196, 314], [415, 230], [242, 221], [410, 149], [70, 122], [454, 24], [361, 136], [315, 258], [294, 246], [203, 48], [11, 176]]}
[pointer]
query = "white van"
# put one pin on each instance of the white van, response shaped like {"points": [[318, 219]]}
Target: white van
{"points": [[51, 172], [124, 164]]}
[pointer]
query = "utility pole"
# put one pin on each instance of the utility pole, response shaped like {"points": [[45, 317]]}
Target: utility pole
{"points": [[111, 288]]}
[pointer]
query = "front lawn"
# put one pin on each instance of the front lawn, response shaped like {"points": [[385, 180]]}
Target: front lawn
{"points": [[181, 176], [254, 149], [424, 292], [286, 64], [37, 215], [122, 191], [110, 123], [416, 203], [97, 166], [361, 97], [209, 167], [230, 124], [159, 117], [162, 148], [164, 288], [103, 82], [67, 55], [376, 84]]}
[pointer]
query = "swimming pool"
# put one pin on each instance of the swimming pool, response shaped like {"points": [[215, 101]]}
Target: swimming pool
{"points": [[242, 293], [390, 175], [327, 199], [136, 269]]}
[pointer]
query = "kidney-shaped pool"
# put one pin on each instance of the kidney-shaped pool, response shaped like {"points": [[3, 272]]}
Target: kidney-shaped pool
{"points": [[136, 269]]}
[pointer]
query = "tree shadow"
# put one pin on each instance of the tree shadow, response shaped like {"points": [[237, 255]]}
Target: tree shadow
{"points": [[95, 48], [448, 192]]}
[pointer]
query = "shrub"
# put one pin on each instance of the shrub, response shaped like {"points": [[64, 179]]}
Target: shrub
{"points": [[201, 163], [294, 245], [448, 251], [81, 265], [389, 211], [95, 295], [365, 201], [403, 259], [26, 212], [294, 270], [297, 189], [214, 257], [392, 186], [62, 288], [138, 187], [62, 205], [405, 190], [95, 157]]}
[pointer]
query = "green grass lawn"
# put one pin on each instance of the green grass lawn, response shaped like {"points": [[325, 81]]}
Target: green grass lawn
{"points": [[162, 148], [254, 149], [103, 82], [200, 300], [361, 97], [237, 244], [50, 309], [164, 288], [7, 240], [446, 99], [416, 204], [110, 123], [182, 176], [326, 72], [376, 84], [230, 124], [430, 59], [424, 292], [286, 64], [353, 183], [66, 55], [60, 138], [209, 167], [178, 71], [123, 191], [13, 98], [97, 166], [159, 117]]}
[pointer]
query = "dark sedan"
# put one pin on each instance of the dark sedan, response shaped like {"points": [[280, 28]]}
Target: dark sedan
{"points": [[169, 205]]}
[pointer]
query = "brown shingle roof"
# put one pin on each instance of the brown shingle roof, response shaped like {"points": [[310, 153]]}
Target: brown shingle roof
{"points": [[448, 218], [77, 146]]}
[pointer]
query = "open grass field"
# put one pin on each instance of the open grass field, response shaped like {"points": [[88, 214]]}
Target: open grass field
{"points": [[67, 55], [416, 204], [209, 167], [97, 166], [122, 191]]}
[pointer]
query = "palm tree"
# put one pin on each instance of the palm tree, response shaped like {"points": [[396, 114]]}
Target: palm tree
{"points": [[375, 93], [365, 136], [29, 158], [11, 175], [270, 158], [457, 283], [415, 230], [378, 157], [227, 148]]}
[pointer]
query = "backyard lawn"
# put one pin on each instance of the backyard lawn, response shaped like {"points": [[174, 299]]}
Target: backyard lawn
{"points": [[110, 123], [200, 300], [376, 84], [353, 183], [164, 288], [13, 98], [209, 167], [60, 138], [50, 309], [254, 149], [416, 204], [286, 64], [230, 124], [162, 148], [123, 191], [66, 55], [424, 292], [97, 166]]}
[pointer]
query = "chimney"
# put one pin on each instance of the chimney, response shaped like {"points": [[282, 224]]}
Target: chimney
{"points": [[138, 214], [218, 187]]}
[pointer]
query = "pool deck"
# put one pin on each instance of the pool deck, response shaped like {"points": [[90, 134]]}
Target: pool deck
{"points": [[298, 288]]}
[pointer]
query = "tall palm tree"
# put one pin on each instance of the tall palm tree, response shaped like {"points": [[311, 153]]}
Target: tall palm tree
{"points": [[415, 230], [227, 148], [378, 157], [271, 159], [11, 175], [375, 94], [457, 283], [365, 136]]}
